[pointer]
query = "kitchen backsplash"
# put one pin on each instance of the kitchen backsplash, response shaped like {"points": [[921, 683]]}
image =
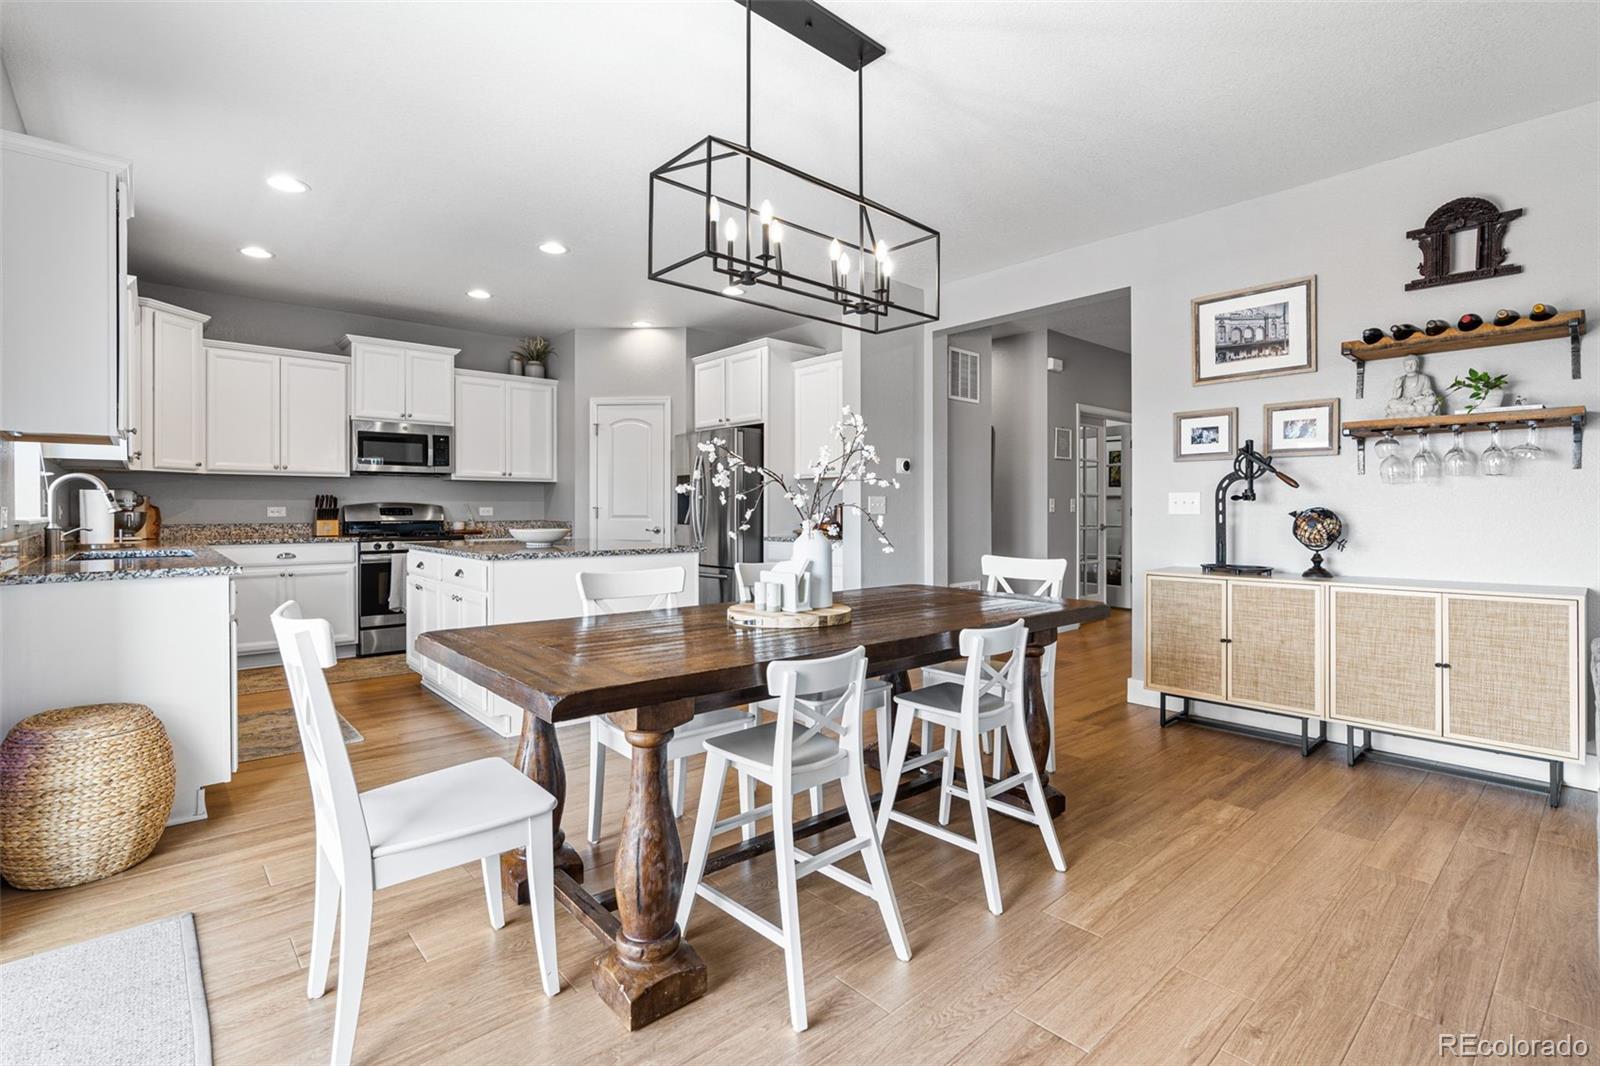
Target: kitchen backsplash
{"points": [[192, 498]]}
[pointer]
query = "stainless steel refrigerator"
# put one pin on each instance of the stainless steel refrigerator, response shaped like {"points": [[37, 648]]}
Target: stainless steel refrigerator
{"points": [[704, 517]]}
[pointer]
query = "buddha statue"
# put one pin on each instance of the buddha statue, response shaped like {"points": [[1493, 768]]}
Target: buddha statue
{"points": [[1412, 395]]}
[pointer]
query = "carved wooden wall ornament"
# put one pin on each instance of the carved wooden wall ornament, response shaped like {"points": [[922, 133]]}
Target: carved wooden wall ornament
{"points": [[1459, 215]]}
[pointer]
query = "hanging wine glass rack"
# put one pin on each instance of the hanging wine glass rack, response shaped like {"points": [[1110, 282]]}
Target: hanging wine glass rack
{"points": [[1360, 430]]}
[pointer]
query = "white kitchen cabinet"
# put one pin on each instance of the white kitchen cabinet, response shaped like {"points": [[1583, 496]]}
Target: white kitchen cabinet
{"points": [[320, 577], [709, 403], [730, 388], [818, 396], [63, 276], [275, 411], [506, 429], [396, 380], [173, 387], [242, 412]]}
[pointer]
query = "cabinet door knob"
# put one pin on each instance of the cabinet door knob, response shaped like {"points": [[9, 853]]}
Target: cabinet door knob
{"points": [[459, 573], [1442, 666], [417, 587], [287, 555], [1226, 640], [197, 466]]}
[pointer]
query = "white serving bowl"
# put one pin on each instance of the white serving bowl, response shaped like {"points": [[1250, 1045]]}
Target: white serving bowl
{"points": [[540, 536]]}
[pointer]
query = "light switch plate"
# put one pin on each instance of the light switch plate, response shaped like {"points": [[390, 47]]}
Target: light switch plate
{"points": [[277, 512], [1052, 505], [1183, 503], [877, 505], [486, 512]]}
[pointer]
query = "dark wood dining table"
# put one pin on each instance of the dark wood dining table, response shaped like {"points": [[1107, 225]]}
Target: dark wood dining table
{"points": [[654, 670]]}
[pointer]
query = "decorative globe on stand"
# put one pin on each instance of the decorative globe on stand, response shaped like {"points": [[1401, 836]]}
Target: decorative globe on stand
{"points": [[1318, 529]]}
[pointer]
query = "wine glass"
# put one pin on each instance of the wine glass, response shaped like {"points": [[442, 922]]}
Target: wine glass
{"points": [[1495, 461], [1424, 464], [1386, 445], [1529, 449], [1392, 470], [1458, 462]]}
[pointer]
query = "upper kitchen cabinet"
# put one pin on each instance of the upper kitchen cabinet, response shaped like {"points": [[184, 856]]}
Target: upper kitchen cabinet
{"points": [[171, 430], [731, 387], [63, 276], [395, 380], [506, 429], [274, 411]]}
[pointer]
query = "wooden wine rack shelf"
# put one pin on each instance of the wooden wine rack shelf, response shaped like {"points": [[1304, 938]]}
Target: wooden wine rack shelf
{"points": [[1570, 324], [1360, 430]]}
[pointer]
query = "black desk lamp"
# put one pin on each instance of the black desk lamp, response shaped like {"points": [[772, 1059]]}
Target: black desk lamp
{"points": [[1248, 464]]}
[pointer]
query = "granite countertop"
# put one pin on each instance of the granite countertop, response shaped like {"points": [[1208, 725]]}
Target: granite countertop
{"points": [[190, 534], [581, 548], [203, 562]]}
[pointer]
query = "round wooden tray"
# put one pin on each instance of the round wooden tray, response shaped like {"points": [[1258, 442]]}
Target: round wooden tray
{"points": [[744, 614]]}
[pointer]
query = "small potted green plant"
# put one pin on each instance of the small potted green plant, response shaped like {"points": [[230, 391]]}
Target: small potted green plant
{"points": [[531, 355], [1483, 389]]}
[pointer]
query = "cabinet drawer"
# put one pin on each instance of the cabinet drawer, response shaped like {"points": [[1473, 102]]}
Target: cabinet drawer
{"points": [[464, 573], [280, 555]]}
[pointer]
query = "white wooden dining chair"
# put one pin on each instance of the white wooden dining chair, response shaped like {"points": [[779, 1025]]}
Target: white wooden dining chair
{"points": [[1045, 577], [644, 590], [399, 832], [987, 699], [790, 757]]}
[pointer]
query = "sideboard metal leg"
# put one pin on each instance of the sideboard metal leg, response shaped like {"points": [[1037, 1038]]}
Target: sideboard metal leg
{"points": [[1557, 769], [1307, 745]]}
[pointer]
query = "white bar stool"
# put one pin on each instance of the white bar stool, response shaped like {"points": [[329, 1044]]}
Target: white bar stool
{"points": [[644, 590], [409, 829], [986, 700], [999, 571], [790, 758]]}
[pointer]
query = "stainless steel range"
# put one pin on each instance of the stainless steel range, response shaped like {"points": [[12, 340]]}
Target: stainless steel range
{"points": [[384, 530]]}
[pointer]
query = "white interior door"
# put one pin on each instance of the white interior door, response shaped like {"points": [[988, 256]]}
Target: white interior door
{"points": [[1116, 528], [629, 476], [1091, 513]]}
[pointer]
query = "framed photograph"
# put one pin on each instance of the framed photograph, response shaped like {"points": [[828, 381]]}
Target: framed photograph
{"points": [[1307, 427], [1063, 443], [1113, 466], [1205, 434], [1255, 333]]}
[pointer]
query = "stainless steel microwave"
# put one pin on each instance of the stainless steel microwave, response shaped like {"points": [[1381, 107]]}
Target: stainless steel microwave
{"points": [[378, 447]]}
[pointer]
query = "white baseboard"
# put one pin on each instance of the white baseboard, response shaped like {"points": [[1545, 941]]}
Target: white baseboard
{"points": [[1584, 775]]}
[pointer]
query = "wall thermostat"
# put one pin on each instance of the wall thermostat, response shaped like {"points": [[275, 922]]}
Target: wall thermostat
{"points": [[902, 466]]}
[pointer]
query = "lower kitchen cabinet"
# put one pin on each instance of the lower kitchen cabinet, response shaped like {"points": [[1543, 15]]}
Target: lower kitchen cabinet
{"points": [[320, 577]]}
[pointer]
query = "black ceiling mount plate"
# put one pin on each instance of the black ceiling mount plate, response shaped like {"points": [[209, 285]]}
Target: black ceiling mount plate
{"points": [[820, 28]]}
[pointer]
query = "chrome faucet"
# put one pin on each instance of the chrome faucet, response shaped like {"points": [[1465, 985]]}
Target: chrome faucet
{"points": [[54, 535]]}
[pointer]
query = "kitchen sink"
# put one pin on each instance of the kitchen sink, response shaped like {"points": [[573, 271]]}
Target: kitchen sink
{"points": [[109, 554]]}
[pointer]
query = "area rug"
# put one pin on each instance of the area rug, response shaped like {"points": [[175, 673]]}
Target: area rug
{"points": [[270, 733], [129, 997], [271, 679]]}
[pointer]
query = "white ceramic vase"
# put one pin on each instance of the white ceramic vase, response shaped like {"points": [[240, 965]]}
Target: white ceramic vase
{"points": [[814, 548]]}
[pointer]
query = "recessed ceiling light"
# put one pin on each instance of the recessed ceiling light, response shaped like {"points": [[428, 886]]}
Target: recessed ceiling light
{"points": [[255, 251], [287, 183], [553, 248], [641, 324], [733, 290], [479, 294]]}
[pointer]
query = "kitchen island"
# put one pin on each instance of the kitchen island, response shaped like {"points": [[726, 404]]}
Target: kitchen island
{"points": [[110, 624], [458, 584]]}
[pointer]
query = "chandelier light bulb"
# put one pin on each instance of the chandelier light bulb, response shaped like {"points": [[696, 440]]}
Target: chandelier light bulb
{"points": [[886, 266], [881, 250], [733, 290], [844, 265], [730, 230], [714, 210], [834, 251], [766, 212], [777, 233]]}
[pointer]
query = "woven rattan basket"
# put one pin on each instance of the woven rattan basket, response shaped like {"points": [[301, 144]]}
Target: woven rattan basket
{"points": [[84, 793]]}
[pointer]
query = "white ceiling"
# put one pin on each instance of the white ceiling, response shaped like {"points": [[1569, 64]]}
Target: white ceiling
{"points": [[443, 142]]}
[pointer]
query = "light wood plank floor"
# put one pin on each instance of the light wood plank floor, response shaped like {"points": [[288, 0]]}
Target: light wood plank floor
{"points": [[1225, 901]]}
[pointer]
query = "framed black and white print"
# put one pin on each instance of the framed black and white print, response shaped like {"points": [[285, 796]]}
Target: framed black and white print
{"points": [[1255, 333], [1062, 447], [1306, 427], [1205, 434]]}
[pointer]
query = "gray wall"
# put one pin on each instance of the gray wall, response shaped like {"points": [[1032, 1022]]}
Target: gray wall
{"points": [[891, 371], [1541, 525], [1092, 374], [10, 117], [968, 450], [1018, 491]]}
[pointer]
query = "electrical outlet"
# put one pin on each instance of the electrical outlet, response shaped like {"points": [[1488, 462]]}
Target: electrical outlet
{"points": [[1072, 505], [486, 512], [277, 512], [1183, 503], [877, 505], [1052, 505]]}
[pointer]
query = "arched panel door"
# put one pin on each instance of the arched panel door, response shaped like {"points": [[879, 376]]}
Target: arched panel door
{"points": [[631, 478]]}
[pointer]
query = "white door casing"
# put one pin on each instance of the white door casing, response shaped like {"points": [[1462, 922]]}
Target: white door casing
{"points": [[630, 480]]}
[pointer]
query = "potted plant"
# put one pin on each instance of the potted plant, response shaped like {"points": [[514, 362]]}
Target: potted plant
{"points": [[530, 356], [1483, 389], [818, 507]]}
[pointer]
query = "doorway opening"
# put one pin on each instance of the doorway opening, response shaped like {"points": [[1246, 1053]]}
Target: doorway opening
{"points": [[1038, 443]]}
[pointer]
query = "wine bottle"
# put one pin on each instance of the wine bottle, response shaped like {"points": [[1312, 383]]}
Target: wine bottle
{"points": [[1505, 316], [1541, 312], [1372, 335], [1468, 322], [1435, 326], [1402, 330]]}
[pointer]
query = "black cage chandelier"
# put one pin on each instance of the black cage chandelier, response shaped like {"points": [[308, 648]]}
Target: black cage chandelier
{"points": [[828, 254]]}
